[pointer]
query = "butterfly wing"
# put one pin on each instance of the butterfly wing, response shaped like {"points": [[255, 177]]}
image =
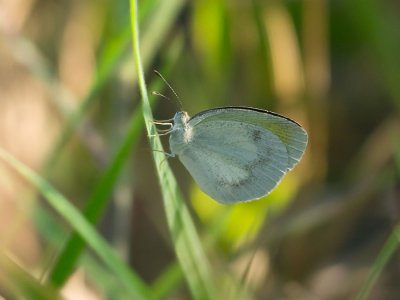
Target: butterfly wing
{"points": [[239, 154], [288, 131]]}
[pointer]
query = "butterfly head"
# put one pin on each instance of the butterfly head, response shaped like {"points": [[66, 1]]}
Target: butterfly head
{"points": [[181, 119], [181, 133]]}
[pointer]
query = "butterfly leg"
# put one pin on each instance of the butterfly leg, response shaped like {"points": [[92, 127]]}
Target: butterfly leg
{"points": [[167, 154], [162, 131], [162, 121], [165, 123]]}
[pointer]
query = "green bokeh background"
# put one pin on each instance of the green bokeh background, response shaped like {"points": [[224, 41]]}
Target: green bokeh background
{"points": [[69, 90]]}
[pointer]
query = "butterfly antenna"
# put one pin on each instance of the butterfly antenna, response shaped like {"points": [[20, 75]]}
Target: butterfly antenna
{"points": [[170, 87], [160, 95]]}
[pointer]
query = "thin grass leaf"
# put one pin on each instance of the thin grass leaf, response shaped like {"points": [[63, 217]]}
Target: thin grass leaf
{"points": [[15, 280], [98, 200], [107, 65], [184, 236], [108, 62], [170, 279], [96, 204], [98, 274], [55, 235], [160, 22], [391, 245], [134, 286]]}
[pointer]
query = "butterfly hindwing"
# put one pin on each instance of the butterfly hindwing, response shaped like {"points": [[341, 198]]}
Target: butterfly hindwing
{"points": [[233, 162]]}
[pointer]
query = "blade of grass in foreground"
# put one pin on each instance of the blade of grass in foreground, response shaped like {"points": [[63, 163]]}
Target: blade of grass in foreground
{"points": [[108, 62], [391, 245], [16, 281], [135, 287], [96, 203], [184, 236], [98, 199], [386, 253], [97, 273], [161, 19]]}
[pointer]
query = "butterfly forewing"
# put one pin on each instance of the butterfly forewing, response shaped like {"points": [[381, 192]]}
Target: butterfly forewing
{"points": [[289, 132]]}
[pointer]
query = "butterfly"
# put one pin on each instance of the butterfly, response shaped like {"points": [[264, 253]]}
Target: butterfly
{"points": [[237, 154]]}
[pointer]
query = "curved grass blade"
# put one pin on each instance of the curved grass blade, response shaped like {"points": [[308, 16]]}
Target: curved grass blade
{"points": [[102, 191], [96, 203], [108, 62], [185, 238], [385, 254], [15, 280], [134, 286]]}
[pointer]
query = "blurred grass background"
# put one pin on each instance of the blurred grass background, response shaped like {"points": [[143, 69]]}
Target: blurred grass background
{"points": [[71, 111]]}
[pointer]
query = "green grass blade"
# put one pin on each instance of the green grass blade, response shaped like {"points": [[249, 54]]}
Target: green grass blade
{"points": [[101, 193], [98, 199], [168, 281], [160, 22], [96, 203], [132, 282], [385, 254], [107, 64], [97, 274], [15, 280], [186, 241]]}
